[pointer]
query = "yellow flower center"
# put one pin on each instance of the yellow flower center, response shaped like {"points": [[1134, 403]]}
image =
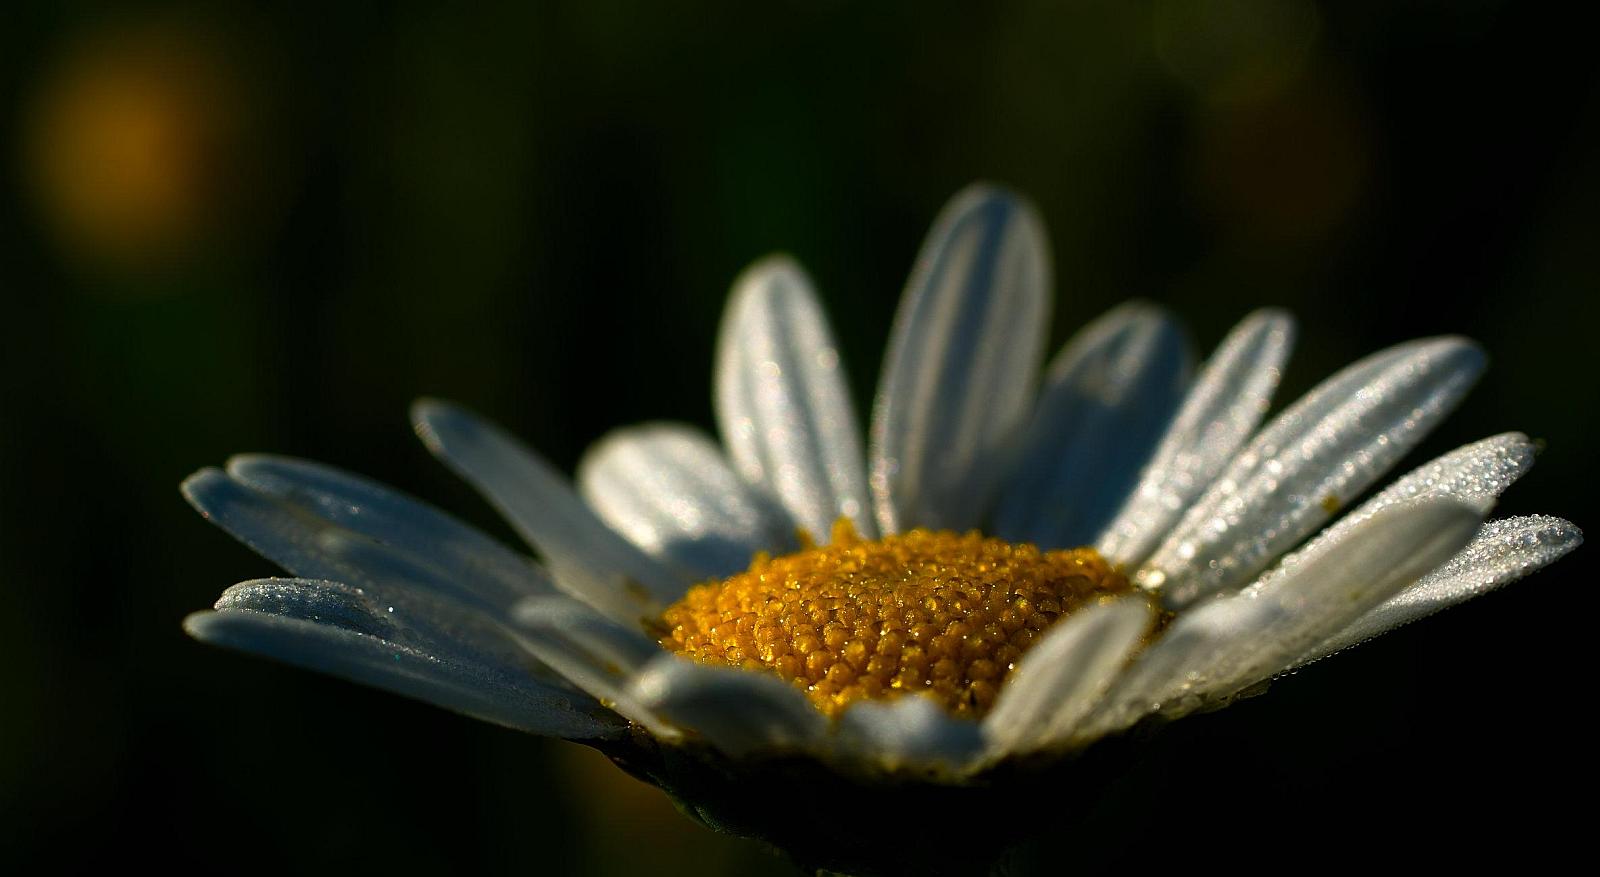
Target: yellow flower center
{"points": [[942, 614]]}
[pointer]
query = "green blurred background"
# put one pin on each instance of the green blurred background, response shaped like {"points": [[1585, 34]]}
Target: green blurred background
{"points": [[268, 227]]}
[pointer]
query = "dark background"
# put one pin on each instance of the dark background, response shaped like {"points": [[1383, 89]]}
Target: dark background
{"points": [[240, 227]]}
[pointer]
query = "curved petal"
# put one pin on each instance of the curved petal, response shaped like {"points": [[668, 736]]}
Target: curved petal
{"points": [[668, 489], [737, 711], [1504, 551], [1218, 649], [501, 575], [910, 732], [296, 537], [1108, 397], [962, 361], [589, 560], [1320, 453], [1474, 473], [441, 609], [339, 630], [1060, 679], [782, 402], [437, 626], [593, 652], [1226, 403]]}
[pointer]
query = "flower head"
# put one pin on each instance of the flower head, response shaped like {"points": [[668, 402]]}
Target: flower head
{"points": [[780, 624]]}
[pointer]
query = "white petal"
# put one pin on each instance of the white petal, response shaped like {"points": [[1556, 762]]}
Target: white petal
{"points": [[593, 652], [1504, 551], [439, 626], [737, 711], [668, 489], [589, 560], [298, 539], [782, 402], [1226, 403], [962, 361], [1060, 679], [910, 732], [394, 519], [1475, 473], [1222, 647], [339, 630], [1317, 455], [1108, 397]]}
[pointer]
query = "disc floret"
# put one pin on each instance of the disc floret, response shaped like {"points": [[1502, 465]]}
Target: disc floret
{"points": [[943, 614]]}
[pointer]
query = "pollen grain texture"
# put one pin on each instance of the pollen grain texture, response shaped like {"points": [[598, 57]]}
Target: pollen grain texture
{"points": [[939, 613]]}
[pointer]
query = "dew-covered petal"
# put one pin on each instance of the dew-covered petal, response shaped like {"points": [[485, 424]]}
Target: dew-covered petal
{"points": [[670, 491], [1474, 473], [419, 618], [591, 651], [1060, 679], [1223, 407], [962, 363], [907, 733], [737, 711], [501, 576], [1108, 396], [1312, 459], [588, 559], [339, 630], [298, 538], [1502, 552], [1159, 675], [1230, 643], [783, 405]]}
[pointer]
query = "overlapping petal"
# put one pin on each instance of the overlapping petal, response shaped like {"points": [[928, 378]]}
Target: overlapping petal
{"points": [[963, 359], [1503, 552], [1223, 407], [909, 732], [782, 402], [670, 491], [471, 559], [589, 560], [736, 711], [595, 653], [341, 630], [288, 527], [1217, 649], [1474, 473], [1311, 460], [1107, 399], [1062, 678]]}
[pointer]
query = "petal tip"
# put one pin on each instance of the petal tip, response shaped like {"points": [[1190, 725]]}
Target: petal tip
{"points": [[201, 625], [200, 487], [763, 282], [1271, 318], [779, 263], [996, 203], [239, 465], [980, 192], [432, 419], [425, 408], [1458, 351]]}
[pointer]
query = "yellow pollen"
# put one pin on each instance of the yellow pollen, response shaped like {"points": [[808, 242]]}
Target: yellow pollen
{"points": [[942, 614]]}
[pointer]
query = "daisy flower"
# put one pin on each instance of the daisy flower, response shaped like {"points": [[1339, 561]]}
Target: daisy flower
{"points": [[794, 638]]}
